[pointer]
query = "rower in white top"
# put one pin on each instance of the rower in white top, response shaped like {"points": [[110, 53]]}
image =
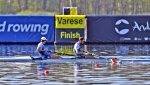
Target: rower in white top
{"points": [[81, 54], [43, 53]]}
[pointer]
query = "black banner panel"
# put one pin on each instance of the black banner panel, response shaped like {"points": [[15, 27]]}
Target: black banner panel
{"points": [[118, 29]]}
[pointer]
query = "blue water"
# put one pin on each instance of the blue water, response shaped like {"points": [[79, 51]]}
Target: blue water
{"points": [[12, 73]]}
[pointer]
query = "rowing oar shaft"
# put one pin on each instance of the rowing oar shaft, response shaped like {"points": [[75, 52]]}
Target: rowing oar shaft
{"points": [[61, 53], [112, 60]]}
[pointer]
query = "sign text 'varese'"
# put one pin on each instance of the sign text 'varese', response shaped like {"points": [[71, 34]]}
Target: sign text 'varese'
{"points": [[70, 21]]}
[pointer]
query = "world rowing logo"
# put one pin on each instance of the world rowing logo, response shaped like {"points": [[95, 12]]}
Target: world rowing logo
{"points": [[124, 30]]}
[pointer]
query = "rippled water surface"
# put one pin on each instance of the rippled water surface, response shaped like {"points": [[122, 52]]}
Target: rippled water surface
{"points": [[74, 73], [110, 49], [13, 73]]}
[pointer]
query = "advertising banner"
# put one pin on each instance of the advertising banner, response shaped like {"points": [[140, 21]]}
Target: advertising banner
{"points": [[101, 29], [69, 28], [26, 28]]}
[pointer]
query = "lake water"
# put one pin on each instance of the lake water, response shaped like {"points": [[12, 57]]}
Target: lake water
{"points": [[74, 73], [109, 49], [13, 73]]}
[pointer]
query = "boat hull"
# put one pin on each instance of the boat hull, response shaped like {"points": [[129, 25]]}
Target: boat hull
{"points": [[71, 59]]}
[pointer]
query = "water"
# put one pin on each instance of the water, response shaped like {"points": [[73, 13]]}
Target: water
{"points": [[111, 50], [75, 73]]}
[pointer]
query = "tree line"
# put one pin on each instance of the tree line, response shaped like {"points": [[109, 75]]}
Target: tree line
{"points": [[87, 7]]}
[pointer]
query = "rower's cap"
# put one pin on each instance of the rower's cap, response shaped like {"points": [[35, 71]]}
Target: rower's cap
{"points": [[81, 38], [43, 38]]}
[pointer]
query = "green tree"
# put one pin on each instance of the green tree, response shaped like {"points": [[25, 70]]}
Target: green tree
{"points": [[104, 7]]}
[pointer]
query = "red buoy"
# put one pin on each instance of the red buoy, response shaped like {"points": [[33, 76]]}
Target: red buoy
{"points": [[46, 72], [113, 60], [97, 65]]}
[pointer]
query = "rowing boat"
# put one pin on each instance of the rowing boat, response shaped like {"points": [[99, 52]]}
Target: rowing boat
{"points": [[64, 59], [70, 59]]}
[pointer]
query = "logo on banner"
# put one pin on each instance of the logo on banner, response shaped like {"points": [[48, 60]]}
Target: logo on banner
{"points": [[141, 27], [146, 38], [124, 30], [136, 38], [70, 21]]}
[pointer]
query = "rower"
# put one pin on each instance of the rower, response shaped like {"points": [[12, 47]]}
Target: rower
{"points": [[44, 53], [77, 50]]}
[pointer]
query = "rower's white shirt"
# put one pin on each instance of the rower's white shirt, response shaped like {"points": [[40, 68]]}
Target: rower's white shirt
{"points": [[40, 45], [76, 46]]}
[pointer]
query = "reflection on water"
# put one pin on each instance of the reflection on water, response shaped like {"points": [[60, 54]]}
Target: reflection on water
{"points": [[121, 49], [111, 50], [74, 73], [11, 50]]}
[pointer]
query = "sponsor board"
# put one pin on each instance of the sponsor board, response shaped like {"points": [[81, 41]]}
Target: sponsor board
{"points": [[26, 28], [118, 29]]}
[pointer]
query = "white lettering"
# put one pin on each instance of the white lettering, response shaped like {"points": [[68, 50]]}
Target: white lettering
{"points": [[25, 28], [16, 28], [141, 28], [2, 26], [37, 27], [45, 29], [9, 26], [32, 28]]}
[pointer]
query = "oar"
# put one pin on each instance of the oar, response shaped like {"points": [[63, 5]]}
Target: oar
{"points": [[88, 53], [66, 55], [50, 51], [60, 53], [110, 60], [92, 54]]}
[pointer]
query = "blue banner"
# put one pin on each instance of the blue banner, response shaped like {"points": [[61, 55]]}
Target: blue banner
{"points": [[26, 28]]}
